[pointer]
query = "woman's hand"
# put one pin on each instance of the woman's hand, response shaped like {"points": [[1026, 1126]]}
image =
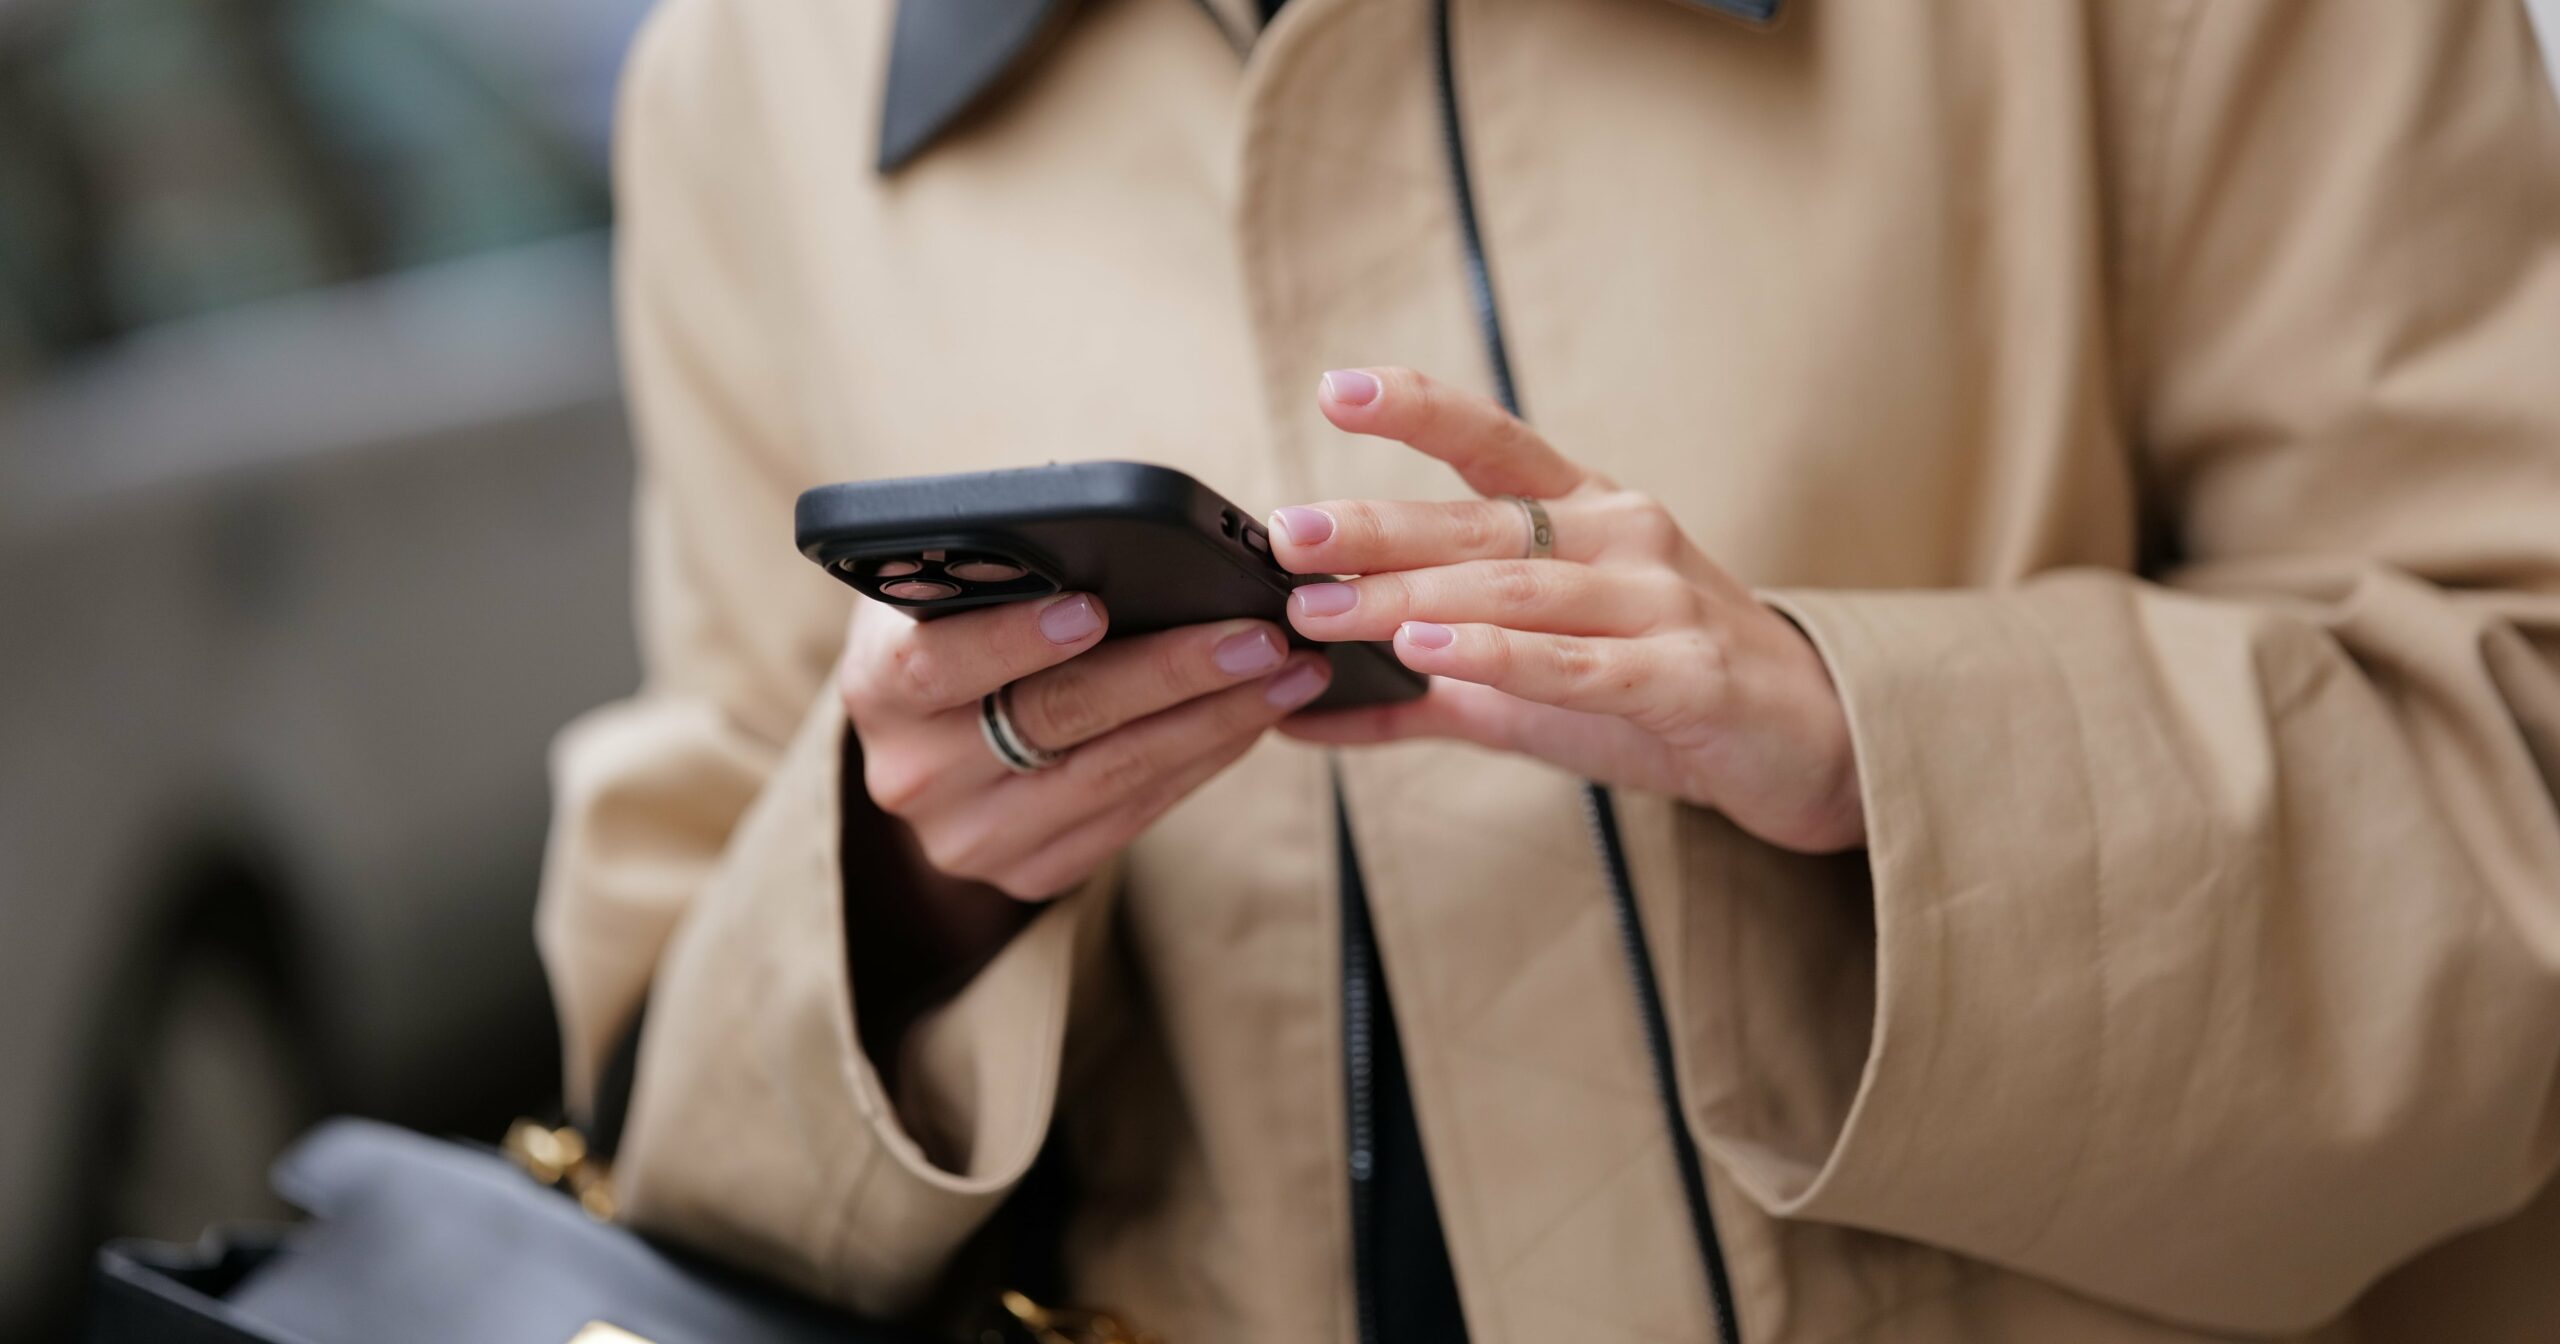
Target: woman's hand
{"points": [[1628, 656], [1143, 721]]}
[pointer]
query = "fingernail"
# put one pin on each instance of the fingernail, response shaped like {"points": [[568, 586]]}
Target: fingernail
{"points": [[1301, 525], [1351, 387], [1069, 619], [1325, 599], [1247, 652], [1425, 635], [1296, 686]]}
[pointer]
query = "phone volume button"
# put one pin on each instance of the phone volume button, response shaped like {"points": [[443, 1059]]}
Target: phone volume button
{"points": [[1259, 542]]}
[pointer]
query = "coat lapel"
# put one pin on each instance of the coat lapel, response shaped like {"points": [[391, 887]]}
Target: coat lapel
{"points": [[948, 56]]}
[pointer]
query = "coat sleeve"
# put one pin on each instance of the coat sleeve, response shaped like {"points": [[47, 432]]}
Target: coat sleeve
{"points": [[694, 857], [2216, 915]]}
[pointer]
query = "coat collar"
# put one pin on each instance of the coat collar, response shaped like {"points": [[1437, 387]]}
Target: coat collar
{"points": [[946, 57]]}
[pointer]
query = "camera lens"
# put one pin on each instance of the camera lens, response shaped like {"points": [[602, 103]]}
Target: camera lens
{"points": [[985, 571], [891, 569], [919, 590]]}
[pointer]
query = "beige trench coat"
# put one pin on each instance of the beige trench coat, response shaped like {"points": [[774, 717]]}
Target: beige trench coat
{"points": [[2151, 408]]}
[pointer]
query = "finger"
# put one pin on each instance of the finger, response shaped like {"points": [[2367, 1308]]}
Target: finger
{"points": [[1129, 679], [1596, 746], [1628, 678], [1018, 816], [1554, 596], [1120, 764], [945, 756], [1492, 450], [1067, 858], [1365, 536], [925, 667], [1440, 711]]}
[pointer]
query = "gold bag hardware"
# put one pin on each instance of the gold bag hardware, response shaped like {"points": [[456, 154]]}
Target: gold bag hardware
{"points": [[1069, 1325], [559, 1158]]}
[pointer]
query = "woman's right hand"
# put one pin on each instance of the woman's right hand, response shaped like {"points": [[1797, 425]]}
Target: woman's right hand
{"points": [[1142, 722]]}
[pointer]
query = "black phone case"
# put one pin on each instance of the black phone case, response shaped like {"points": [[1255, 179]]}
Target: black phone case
{"points": [[1160, 548]]}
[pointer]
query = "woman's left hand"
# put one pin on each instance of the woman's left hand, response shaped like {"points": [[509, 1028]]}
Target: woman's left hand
{"points": [[1628, 657]]}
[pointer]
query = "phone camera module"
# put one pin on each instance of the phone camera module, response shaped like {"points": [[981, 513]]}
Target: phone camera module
{"points": [[919, 590], [984, 571]]}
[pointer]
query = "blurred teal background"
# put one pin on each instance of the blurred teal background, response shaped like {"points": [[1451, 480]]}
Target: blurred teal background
{"points": [[313, 495]]}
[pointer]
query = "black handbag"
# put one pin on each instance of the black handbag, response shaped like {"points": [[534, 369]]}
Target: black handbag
{"points": [[413, 1240], [416, 1239]]}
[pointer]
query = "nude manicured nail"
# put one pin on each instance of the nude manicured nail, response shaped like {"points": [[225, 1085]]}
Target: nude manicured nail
{"points": [[1069, 619], [1425, 635], [1248, 652], [1351, 387], [1301, 525], [1325, 599], [1296, 686]]}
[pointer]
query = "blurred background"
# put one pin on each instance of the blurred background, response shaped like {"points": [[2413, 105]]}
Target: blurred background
{"points": [[313, 483], [313, 494]]}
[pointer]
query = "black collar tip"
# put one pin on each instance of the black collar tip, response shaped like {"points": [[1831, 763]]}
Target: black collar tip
{"points": [[946, 56]]}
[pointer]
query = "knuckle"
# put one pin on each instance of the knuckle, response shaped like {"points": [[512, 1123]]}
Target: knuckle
{"points": [[1357, 523], [1058, 709], [1178, 667], [1712, 656], [895, 780], [1649, 527], [948, 852], [1707, 697], [1671, 599], [975, 848], [1579, 664], [1429, 400], [1516, 584], [1487, 528], [921, 678], [1392, 594], [1512, 437], [1120, 770]]}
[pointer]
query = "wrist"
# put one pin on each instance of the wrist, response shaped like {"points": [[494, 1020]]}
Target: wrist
{"points": [[1834, 817], [914, 935]]}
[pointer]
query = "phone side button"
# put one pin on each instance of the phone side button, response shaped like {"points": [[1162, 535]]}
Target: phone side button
{"points": [[1259, 542]]}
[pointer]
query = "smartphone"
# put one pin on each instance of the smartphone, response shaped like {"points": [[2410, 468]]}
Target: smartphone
{"points": [[1158, 547]]}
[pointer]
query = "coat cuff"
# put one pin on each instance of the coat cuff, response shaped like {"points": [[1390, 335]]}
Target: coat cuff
{"points": [[760, 1131], [1982, 1054]]}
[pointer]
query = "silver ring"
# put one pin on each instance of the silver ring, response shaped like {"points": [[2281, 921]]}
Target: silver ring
{"points": [[1542, 531], [995, 723]]}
